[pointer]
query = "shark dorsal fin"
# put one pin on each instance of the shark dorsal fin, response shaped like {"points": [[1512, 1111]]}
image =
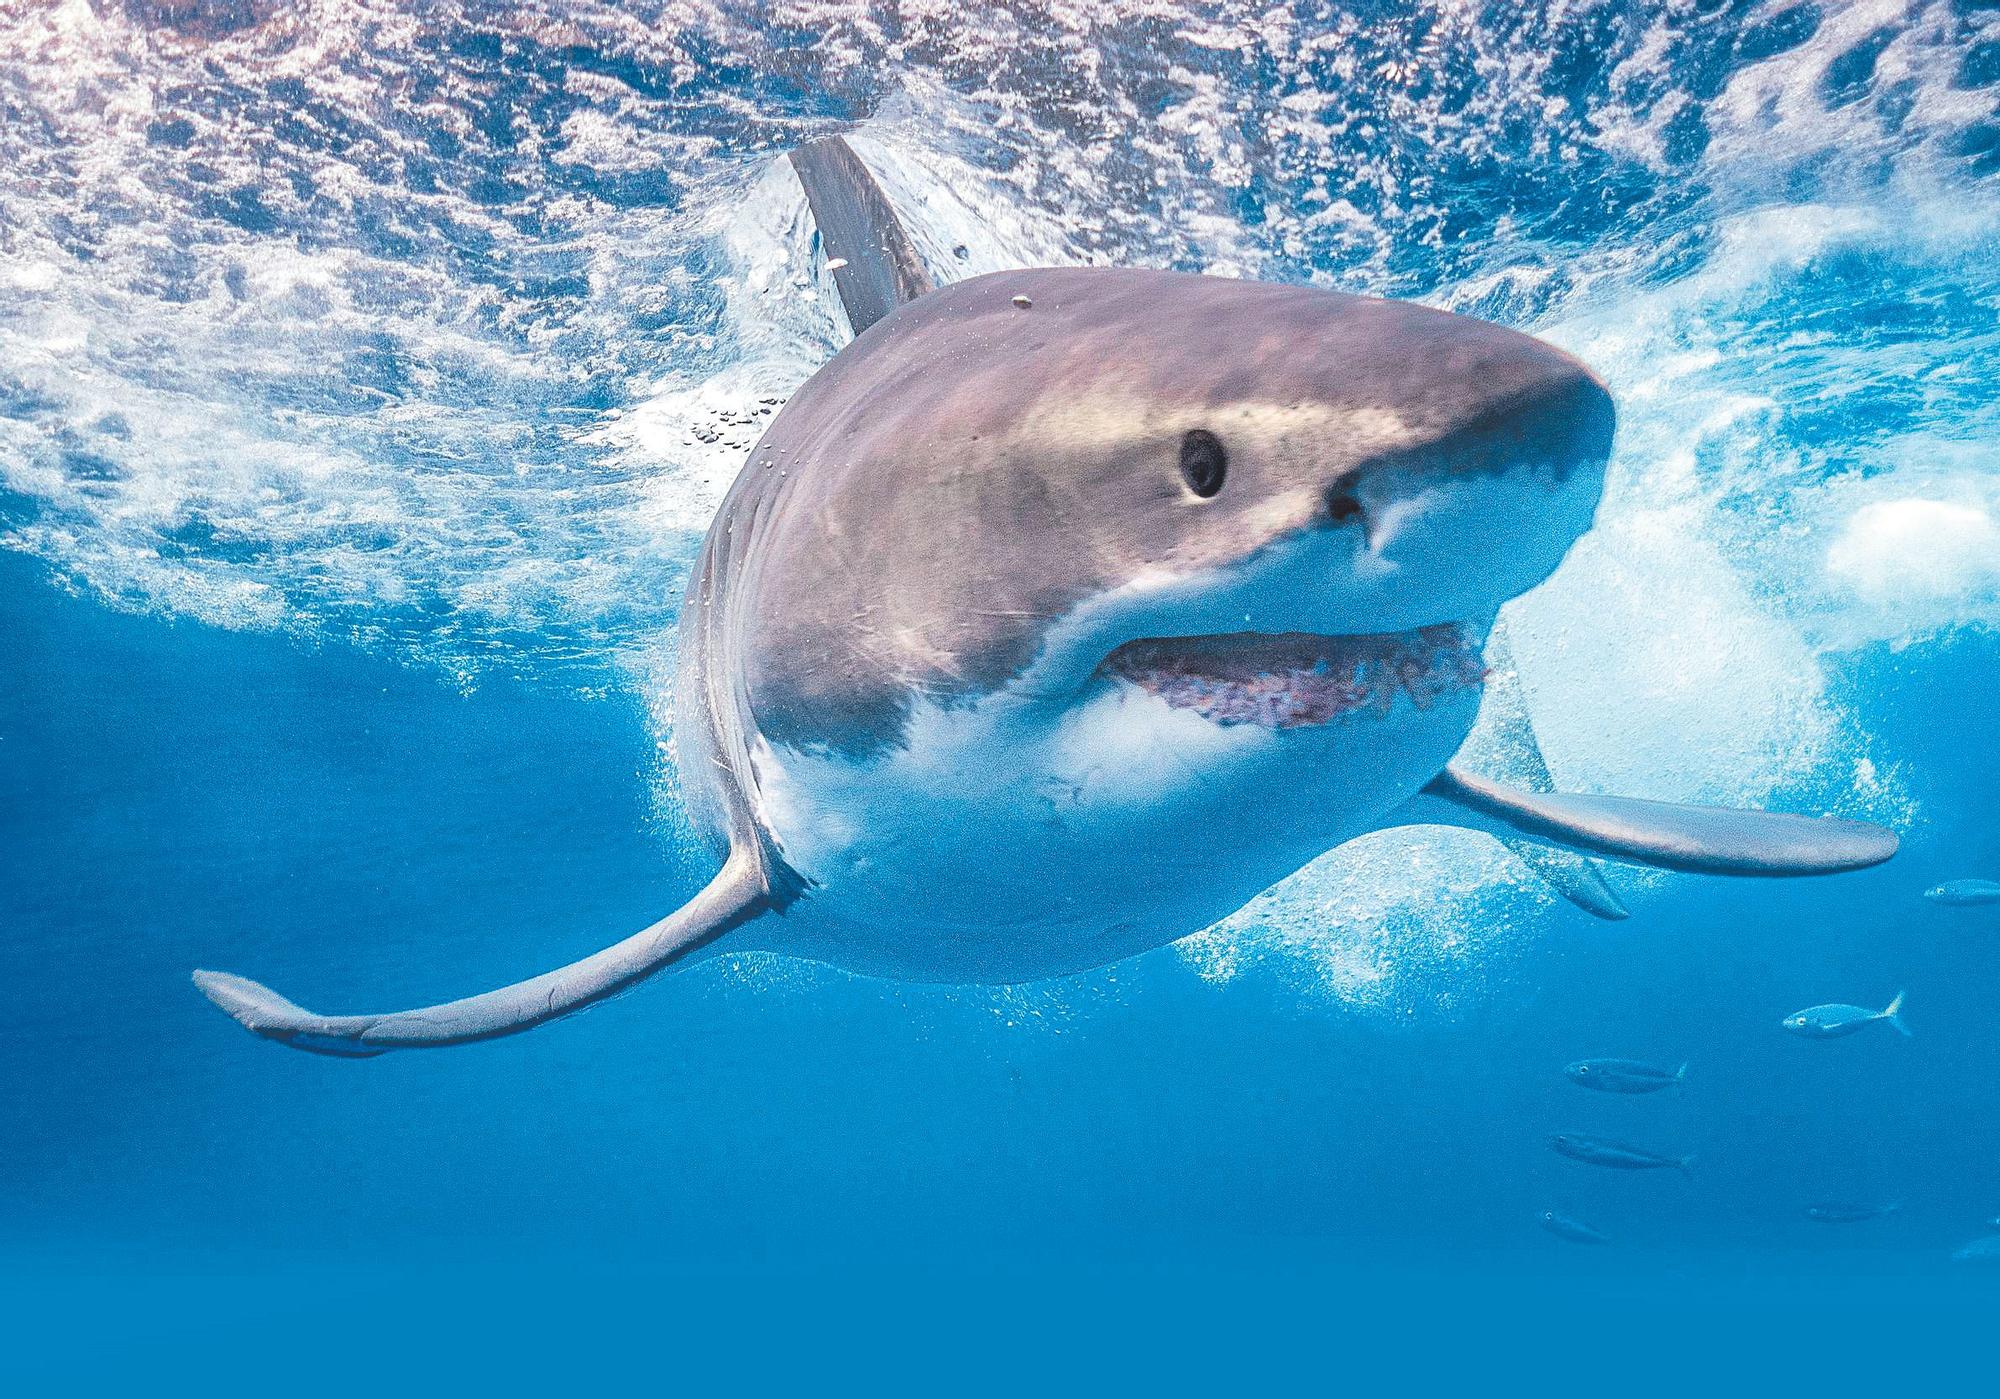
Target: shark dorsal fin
{"points": [[875, 265]]}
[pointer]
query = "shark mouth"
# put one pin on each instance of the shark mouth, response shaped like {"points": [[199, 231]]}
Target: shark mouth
{"points": [[1288, 680]]}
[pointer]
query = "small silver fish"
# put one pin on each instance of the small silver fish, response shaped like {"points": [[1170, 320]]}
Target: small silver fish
{"points": [[1575, 1230], [1964, 893], [1624, 1075], [1841, 1212], [1985, 1250], [1830, 1022], [1600, 1151]]}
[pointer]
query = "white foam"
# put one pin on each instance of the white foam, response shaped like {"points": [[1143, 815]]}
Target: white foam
{"points": [[1651, 670], [1399, 924], [1923, 564]]}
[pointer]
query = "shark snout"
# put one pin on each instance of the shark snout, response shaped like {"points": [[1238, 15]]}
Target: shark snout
{"points": [[1533, 413], [1481, 501], [1556, 417]]}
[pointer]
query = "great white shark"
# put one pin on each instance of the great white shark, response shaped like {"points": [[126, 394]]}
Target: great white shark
{"points": [[1064, 610]]}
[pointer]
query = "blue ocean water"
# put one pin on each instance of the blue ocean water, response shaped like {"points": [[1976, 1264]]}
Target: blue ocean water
{"points": [[368, 373]]}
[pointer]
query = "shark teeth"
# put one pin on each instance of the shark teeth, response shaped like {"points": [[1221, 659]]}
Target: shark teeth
{"points": [[1290, 680]]}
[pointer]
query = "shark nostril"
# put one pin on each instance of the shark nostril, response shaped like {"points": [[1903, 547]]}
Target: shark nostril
{"points": [[1342, 506]]}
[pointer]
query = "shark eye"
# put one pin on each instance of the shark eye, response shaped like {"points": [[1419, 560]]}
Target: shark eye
{"points": [[1203, 462]]}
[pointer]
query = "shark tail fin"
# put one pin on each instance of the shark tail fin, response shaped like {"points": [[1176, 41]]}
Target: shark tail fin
{"points": [[1894, 1015], [875, 265]]}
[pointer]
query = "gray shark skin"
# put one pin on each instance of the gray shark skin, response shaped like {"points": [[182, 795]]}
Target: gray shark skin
{"points": [[1065, 610]]}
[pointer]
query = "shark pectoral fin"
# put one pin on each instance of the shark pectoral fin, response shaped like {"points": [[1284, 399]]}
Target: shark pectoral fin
{"points": [[1503, 714], [1668, 835], [734, 897], [1574, 876]]}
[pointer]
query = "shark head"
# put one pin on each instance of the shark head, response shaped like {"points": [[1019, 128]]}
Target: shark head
{"points": [[1330, 513], [1031, 484], [1138, 552]]}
